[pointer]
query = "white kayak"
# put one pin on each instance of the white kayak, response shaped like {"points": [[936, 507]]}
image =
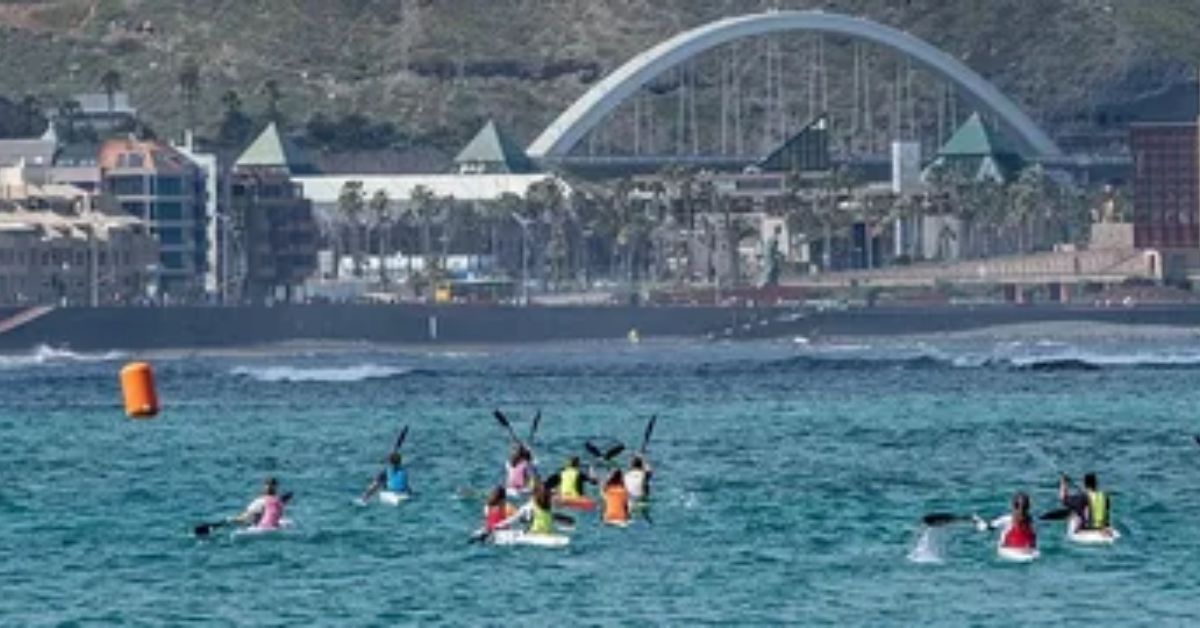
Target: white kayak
{"points": [[521, 537], [1017, 554], [1104, 536], [254, 531], [392, 498]]}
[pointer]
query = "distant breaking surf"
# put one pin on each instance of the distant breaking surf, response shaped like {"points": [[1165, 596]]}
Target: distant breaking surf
{"points": [[295, 374], [47, 355]]}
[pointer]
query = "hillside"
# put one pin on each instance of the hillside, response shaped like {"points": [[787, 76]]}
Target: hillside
{"points": [[435, 68]]}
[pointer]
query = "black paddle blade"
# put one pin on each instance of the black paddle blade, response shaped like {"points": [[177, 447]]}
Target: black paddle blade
{"points": [[553, 481], [537, 418], [203, 530], [564, 519], [400, 439], [1056, 515], [593, 450], [942, 518], [649, 431], [501, 418], [614, 452], [1197, 439]]}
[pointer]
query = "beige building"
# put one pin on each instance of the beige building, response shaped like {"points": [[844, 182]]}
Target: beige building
{"points": [[55, 248]]}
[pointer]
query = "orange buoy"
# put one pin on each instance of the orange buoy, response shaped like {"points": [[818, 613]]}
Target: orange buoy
{"points": [[137, 388]]}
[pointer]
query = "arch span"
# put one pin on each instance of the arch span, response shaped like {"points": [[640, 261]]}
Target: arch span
{"points": [[574, 123]]}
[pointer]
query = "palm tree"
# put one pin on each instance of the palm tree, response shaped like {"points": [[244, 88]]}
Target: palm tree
{"points": [[424, 210], [350, 209], [381, 211], [111, 82], [189, 87]]}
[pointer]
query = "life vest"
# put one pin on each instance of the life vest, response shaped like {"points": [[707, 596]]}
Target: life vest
{"points": [[493, 515], [616, 504], [1097, 510], [543, 521], [1019, 535], [272, 513], [635, 483], [516, 475], [397, 480], [568, 485]]}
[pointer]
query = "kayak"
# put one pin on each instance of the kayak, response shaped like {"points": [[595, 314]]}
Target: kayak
{"points": [[518, 493], [576, 503], [521, 537], [1105, 536], [618, 524], [1017, 554], [392, 498], [255, 531]]}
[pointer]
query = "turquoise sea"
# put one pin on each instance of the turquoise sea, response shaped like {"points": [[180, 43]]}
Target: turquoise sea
{"points": [[791, 478]]}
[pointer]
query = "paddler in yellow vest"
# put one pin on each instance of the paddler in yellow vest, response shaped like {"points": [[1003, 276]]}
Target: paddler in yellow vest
{"points": [[537, 512], [571, 480], [1090, 509]]}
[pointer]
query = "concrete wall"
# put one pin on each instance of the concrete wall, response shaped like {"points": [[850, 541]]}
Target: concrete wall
{"points": [[198, 327]]}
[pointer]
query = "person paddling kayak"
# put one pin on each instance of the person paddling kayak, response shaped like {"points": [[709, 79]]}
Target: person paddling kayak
{"points": [[616, 499], [266, 511], [1016, 527], [536, 513], [637, 479], [1089, 509], [571, 480], [394, 478], [518, 471], [497, 509]]}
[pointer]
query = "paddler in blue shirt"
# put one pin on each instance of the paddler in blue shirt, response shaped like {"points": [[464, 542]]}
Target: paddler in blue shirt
{"points": [[393, 478], [1090, 508]]}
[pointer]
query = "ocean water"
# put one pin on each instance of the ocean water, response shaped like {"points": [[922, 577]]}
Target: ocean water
{"points": [[791, 478]]}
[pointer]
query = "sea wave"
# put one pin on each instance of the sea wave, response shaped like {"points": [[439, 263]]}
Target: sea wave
{"points": [[330, 374], [1063, 361], [47, 355]]}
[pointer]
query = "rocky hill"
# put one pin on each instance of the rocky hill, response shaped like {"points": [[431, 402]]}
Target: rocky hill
{"points": [[435, 68]]}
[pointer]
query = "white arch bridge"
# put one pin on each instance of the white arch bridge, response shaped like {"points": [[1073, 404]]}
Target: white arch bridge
{"points": [[558, 139]]}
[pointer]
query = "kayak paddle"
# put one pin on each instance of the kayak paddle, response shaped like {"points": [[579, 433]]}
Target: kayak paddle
{"points": [[649, 431], [613, 452], [1056, 515], [204, 529], [537, 418], [943, 518], [400, 439], [593, 450], [503, 421], [1197, 439]]}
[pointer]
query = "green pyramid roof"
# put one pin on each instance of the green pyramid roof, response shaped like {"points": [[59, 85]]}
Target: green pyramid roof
{"points": [[973, 139], [272, 150], [495, 152]]}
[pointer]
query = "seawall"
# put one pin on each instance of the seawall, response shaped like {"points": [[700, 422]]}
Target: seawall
{"points": [[134, 328], [138, 328]]}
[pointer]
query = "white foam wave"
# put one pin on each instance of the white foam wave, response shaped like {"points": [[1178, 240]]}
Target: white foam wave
{"points": [[44, 355], [355, 373]]}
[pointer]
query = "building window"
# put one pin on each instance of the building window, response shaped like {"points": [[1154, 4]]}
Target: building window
{"points": [[172, 261], [169, 186], [170, 210], [127, 185], [170, 236]]}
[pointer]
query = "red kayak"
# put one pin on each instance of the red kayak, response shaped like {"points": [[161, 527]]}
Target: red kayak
{"points": [[575, 503]]}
